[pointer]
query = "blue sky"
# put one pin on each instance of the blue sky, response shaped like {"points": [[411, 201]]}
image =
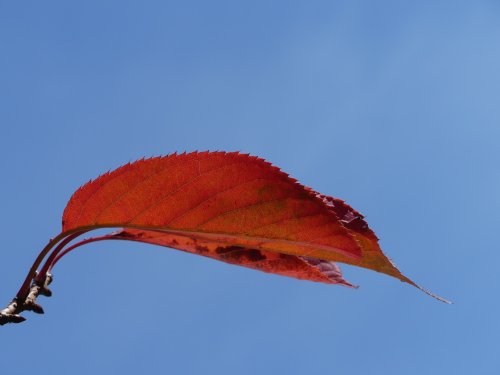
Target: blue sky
{"points": [[390, 105]]}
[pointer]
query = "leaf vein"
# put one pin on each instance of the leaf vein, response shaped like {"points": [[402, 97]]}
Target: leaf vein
{"points": [[215, 195], [166, 196], [241, 208]]}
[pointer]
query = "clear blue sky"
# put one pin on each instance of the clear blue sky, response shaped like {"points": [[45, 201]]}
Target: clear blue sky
{"points": [[391, 105]]}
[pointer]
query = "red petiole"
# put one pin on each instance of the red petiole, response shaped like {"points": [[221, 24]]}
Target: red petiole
{"points": [[36, 282]]}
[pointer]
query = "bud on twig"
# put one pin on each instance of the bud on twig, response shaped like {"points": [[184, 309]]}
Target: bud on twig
{"points": [[11, 313]]}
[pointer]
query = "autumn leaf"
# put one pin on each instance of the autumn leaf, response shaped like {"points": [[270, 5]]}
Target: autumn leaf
{"points": [[230, 207], [227, 197]]}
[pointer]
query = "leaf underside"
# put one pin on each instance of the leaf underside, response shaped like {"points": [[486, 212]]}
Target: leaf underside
{"points": [[231, 207], [267, 261]]}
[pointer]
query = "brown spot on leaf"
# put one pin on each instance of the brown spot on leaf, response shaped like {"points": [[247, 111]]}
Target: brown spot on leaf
{"points": [[238, 253], [254, 255], [202, 249]]}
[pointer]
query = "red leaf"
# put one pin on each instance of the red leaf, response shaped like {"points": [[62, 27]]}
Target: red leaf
{"points": [[225, 197], [231, 207], [227, 206]]}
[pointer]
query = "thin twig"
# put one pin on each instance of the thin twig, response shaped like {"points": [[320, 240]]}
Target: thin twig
{"points": [[11, 313]]}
